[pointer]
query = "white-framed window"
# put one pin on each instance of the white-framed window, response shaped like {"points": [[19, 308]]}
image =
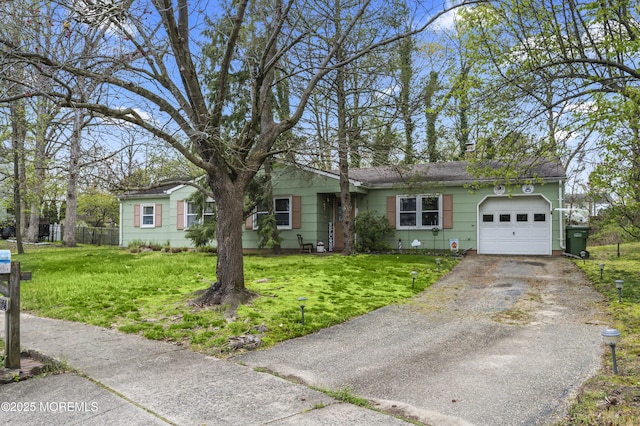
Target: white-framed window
{"points": [[209, 213], [282, 210], [419, 211], [191, 213], [147, 215]]}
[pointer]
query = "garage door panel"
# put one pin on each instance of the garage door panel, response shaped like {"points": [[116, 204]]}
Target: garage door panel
{"points": [[518, 225]]}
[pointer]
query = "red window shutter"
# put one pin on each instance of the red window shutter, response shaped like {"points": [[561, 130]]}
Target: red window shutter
{"points": [[296, 212], [447, 211], [248, 223], [136, 215], [158, 215], [391, 211], [180, 212]]}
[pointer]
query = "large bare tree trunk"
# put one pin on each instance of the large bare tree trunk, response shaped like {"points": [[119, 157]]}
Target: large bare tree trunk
{"points": [[345, 195], [432, 116], [22, 179], [406, 50], [229, 289], [37, 187], [343, 150], [34, 222], [69, 237], [19, 134]]}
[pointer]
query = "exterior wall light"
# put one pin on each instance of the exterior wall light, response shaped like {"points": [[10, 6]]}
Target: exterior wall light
{"points": [[610, 336], [302, 301]]}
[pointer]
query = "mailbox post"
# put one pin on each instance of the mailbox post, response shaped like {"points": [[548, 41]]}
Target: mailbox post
{"points": [[10, 273]]}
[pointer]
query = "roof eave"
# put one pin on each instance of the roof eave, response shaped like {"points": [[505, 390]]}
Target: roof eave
{"points": [[450, 183], [142, 196]]}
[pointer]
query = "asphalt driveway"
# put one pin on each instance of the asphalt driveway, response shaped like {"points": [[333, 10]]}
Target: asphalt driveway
{"points": [[498, 341]]}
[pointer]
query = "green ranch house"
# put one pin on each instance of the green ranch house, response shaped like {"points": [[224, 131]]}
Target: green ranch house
{"points": [[435, 206]]}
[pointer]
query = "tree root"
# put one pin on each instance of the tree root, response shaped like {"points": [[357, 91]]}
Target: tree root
{"points": [[215, 296]]}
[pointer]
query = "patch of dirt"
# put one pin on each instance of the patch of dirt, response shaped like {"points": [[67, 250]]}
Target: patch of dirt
{"points": [[512, 316], [522, 291], [32, 364]]}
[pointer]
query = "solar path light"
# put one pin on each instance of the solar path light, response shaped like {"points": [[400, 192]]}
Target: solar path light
{"points": [[610, 336], [413, 281], [601, 269], [619, 285], [584, 255], [438, 262], [302, 301]]}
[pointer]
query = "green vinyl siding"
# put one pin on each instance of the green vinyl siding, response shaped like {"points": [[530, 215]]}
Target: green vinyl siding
{"points": [[129, 232], [318, 194], [465, 215], [315, 213], [168, 233]]}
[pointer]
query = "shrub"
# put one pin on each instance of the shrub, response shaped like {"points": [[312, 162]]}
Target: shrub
{"points": [[134, 244], [371, 230], [154, 246], [207, 249], [267, 228], [201, 234]]}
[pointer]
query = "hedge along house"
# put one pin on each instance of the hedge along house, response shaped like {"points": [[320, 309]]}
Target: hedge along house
{"points": [[436, 206]]}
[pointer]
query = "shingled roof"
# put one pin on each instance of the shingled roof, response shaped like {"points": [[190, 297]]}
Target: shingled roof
{"points": [[162, 189], [454, 172]]}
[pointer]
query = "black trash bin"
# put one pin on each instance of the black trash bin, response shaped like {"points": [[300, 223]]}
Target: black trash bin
{"points": [[576, 238]]}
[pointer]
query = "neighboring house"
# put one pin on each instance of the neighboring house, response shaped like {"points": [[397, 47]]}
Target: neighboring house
{"points": [[431, 206], [580, 207]]}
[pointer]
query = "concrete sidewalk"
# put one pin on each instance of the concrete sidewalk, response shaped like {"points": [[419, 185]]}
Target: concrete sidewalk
{"points": [[126, 379]]}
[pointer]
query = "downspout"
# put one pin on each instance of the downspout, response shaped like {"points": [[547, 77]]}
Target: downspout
{"points": [[561, 215], [121, 222]]}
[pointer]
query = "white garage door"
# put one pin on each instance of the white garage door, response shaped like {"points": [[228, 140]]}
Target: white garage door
{"points": [[517, 225]]}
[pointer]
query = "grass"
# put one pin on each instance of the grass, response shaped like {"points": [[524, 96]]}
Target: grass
{"points": [[346, 395], [609, 399], [148, 293]]}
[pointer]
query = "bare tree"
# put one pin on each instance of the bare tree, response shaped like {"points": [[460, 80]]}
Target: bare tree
{"points": [[151, 63]]}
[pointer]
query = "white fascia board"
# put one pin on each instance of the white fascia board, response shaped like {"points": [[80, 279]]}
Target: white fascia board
{"points": [[175, 188]]}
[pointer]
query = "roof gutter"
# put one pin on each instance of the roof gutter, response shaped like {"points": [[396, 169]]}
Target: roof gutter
{"points": [[142, 196], [445, 183]]}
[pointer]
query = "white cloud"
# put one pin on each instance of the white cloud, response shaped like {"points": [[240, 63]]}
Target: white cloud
{"points": [[446, 22], [449, 20]]}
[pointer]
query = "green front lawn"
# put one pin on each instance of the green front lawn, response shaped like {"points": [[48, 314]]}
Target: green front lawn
{"points": [[149, 293]]}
